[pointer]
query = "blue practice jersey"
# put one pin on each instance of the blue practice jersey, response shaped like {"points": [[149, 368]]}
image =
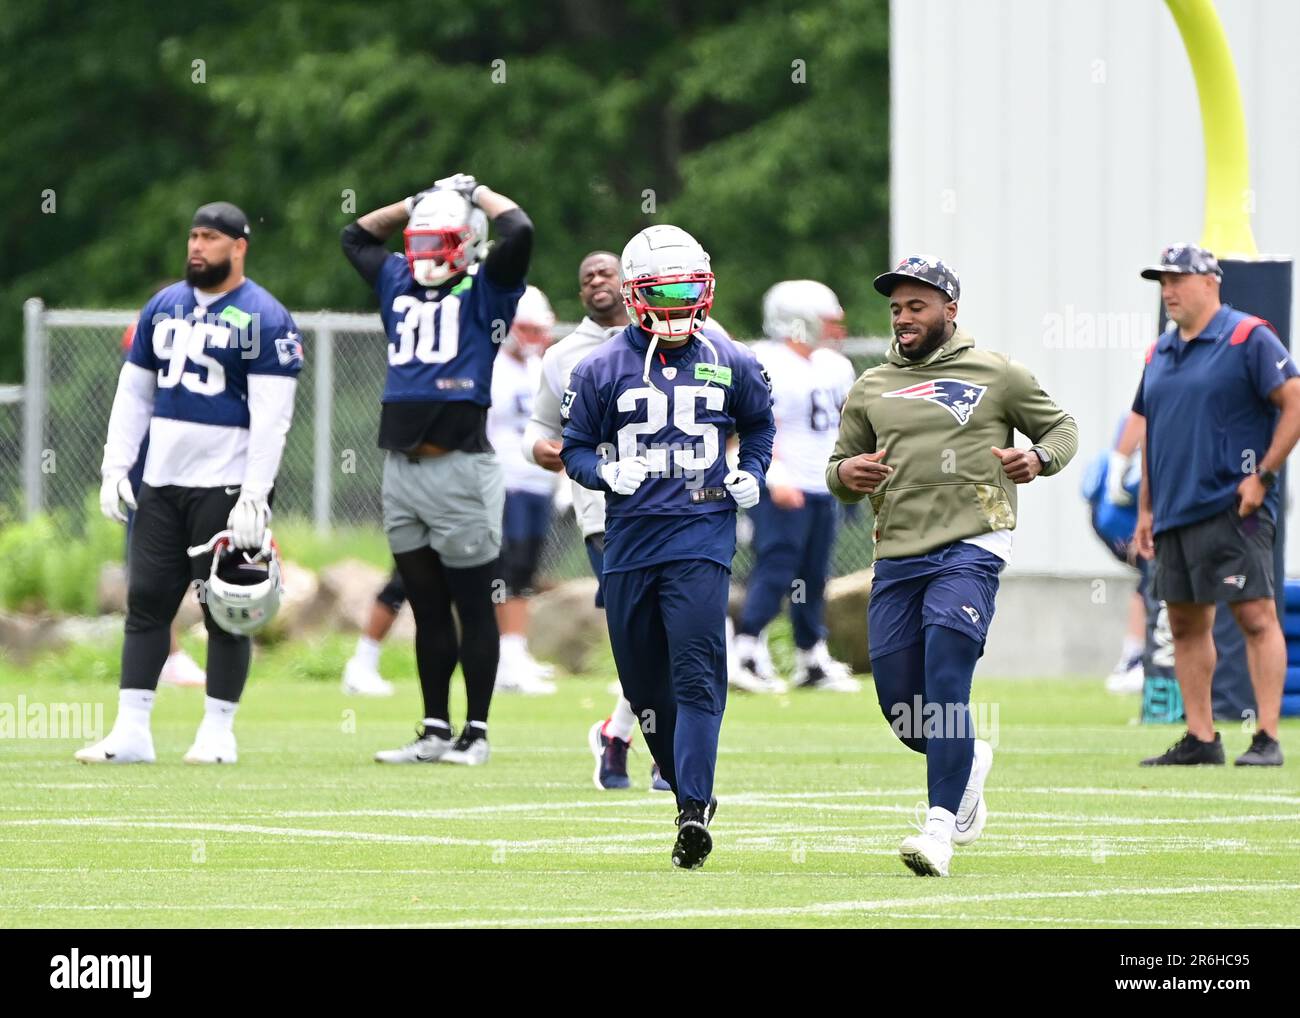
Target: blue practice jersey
{"points": [[201, 361], [681, 425], [441, 349]]}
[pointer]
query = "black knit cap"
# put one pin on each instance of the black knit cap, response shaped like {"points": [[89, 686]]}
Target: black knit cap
{"points": [[224, 217]]}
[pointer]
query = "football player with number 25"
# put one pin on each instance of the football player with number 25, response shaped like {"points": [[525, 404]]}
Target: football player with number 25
{"points": [[211, 375], [647, 416]]}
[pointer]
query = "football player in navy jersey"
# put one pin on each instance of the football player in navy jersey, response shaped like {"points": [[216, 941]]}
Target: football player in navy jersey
{"points": [[445, 316], [647, 416], [211, 376]]}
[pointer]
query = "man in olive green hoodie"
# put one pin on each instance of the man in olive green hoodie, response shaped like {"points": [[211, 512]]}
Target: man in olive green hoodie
{"points": [[928, 436]]}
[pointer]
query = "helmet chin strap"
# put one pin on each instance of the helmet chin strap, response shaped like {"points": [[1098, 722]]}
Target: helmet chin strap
{"points": [[654, 343]]}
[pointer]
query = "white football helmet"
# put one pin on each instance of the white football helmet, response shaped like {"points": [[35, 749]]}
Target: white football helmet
{"points": [[444, 237], [667, 282], [243, 587], [802, 310], [530, 331]]}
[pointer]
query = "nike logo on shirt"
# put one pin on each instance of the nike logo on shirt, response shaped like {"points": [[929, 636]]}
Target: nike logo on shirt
{"points": [[1281, 362]]}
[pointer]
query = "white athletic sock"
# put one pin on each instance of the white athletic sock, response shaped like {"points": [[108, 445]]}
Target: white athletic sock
{"points": [[940, 822], [368, 653], [440, 723], [134, 707], [219, 714], [622, 723], [514, 646], [480, 726]]}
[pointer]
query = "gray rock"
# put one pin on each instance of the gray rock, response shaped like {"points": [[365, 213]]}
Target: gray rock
{"points": [[846, 619], [565, 627]]}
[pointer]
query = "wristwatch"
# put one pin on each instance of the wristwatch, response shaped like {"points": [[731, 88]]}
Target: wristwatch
{"points": [[1267, 478], [1044, 457]]}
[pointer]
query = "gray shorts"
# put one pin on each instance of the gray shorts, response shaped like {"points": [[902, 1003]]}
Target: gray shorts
{"points": [[1224, 558], [451, 503]]}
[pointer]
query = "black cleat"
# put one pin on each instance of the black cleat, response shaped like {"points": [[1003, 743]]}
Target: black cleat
{"points": [[694, 843], [1188, 752], [1265, 751]]}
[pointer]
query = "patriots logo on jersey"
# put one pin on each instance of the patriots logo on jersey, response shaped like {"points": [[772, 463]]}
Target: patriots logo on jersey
{"points": [[566, 404], [957, 397], [288, 348]]}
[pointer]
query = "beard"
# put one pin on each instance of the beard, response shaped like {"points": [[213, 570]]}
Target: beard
{"points": [[208, 276], [930, 342]]}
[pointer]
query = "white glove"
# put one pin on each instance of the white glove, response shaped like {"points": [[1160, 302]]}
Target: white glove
{"points": [[113, 491], [625, 476], [1115, 471], [248, 521], [743, 487], [462, 183]]}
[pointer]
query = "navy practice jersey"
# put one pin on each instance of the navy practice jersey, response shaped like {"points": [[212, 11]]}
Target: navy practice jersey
{"points": [[442, 350], [202, 360], [681, 425]]}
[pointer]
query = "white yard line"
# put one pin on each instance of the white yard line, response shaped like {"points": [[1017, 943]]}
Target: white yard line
{"points": [[886, 904]]}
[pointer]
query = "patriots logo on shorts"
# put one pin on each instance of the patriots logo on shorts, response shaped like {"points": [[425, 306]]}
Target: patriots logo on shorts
{"points": [[288, 348], [957, 397]]}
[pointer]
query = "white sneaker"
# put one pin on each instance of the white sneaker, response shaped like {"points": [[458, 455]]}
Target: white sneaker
{"points": [[124, 744], [422, 749], [467, 752], [212, 746], [926, 855], [1127, 680], [182, 670], [361, 680], [745, 678], [517, 678], [816, 669], [973, 812], [541, 669]]}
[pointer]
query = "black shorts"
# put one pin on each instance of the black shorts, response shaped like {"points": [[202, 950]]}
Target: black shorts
{"points": [[393, 596], [1223, 558], [518, 564], [169, 521]]}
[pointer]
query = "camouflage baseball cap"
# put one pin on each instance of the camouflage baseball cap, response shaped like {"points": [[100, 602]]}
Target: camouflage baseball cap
{"points": [[921, 269], [1187, 259]]}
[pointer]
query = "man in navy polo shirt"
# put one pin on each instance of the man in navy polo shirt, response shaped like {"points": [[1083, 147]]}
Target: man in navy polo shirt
{"points": [[1222, 406]]}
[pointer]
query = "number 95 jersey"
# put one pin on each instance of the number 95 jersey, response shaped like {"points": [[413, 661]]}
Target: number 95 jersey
{"points": [[202, 357], [442, 342], [680, 423]]}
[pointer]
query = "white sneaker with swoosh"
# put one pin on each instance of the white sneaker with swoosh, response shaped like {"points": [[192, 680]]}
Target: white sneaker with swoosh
{"points": [[973, 812]]}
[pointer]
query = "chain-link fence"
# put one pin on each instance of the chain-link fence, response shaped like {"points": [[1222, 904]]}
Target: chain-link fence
{"points": [[52, 430]]}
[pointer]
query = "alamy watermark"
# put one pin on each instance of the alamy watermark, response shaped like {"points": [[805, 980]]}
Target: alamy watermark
{"points": [[916, 719], [37, 720]]}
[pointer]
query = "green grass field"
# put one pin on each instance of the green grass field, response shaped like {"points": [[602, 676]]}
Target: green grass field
{"points": [[815, 796]]}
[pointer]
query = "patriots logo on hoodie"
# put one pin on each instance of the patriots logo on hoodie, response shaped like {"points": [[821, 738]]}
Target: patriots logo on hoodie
{"points": [[957, 397]]}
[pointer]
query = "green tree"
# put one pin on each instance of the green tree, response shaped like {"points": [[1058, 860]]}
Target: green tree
{"points": [[765, 134]]}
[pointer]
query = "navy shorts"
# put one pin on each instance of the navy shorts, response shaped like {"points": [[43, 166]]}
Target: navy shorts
{"points": [[595, 544], [526, 522], [953, 586]]}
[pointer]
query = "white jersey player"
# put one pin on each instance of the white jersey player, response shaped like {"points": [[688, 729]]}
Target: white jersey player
{"points": [[529, 489], [794, 529]]}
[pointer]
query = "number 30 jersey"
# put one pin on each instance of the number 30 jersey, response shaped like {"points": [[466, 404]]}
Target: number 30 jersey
{"points": [[681, 425], [441, 349], [202, 358]]}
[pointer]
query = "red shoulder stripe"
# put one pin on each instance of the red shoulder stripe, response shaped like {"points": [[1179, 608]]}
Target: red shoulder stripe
{"points": [[1245, 327]]}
